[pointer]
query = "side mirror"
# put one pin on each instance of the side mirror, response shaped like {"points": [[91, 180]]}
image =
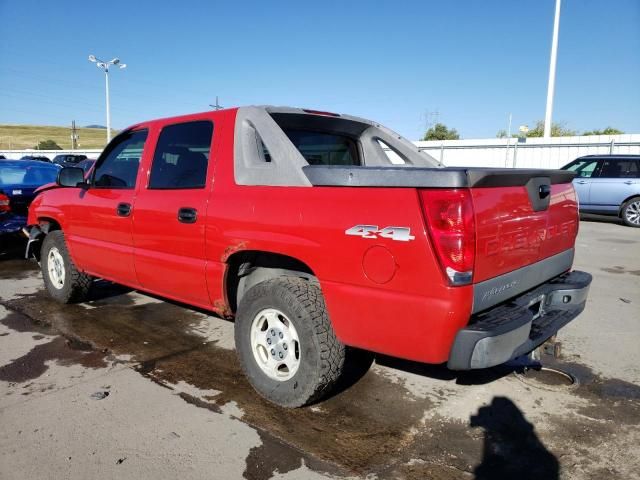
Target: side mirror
{"points": [[71, 177]]}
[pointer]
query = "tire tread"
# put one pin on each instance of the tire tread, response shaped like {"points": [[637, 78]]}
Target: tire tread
{"points": [[80, 282], [330, 350]]}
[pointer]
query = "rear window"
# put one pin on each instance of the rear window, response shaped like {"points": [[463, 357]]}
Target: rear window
{"points": [[27, 176], [323, 148]]}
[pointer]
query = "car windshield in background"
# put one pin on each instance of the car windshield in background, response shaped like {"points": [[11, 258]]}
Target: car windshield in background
{"points": [[61, 159], [86, 164], [30, 175], [39, 158], [583, 168]]}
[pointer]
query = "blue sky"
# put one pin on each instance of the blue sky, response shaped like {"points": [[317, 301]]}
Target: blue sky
{"points": [[473, 61]]}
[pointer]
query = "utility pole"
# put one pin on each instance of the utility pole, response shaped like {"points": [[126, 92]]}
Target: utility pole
{"points": [[74, 135], [552, 72], [431, 118], [217, 106], [506, 155]]}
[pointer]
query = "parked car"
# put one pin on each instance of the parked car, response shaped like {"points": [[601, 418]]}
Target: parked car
{"points": [[608, 185], [68, 159], [86, 165], [39, 158], [19, 180], [315, 242]]}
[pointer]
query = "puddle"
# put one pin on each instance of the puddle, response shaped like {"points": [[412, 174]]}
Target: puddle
{"points": [[273, 455], [34, 364], [619, 269], [360, 429], [17, 269], [117, 323]]}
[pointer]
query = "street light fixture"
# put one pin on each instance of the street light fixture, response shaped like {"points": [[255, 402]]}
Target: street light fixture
{"points": [[105, 67]]}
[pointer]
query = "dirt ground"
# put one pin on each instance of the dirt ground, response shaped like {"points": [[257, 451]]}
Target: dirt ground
{"points": [[131, 386]]}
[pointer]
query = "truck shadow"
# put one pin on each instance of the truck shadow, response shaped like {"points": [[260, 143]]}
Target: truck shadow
{"points": [[441, 372], [511, 449]]}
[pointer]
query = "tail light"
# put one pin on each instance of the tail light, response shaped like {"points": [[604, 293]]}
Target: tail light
{"points": [[4, 203], [451, 225]]}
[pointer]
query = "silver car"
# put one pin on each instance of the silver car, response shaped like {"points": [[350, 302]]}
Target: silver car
{"points": [[608, 185]]}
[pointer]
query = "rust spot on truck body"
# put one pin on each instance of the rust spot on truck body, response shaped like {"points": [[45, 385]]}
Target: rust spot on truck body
{"points": [[222, 308], [231, 249]]}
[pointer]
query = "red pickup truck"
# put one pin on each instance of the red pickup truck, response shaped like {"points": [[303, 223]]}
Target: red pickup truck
{"points": [[318, 233]]}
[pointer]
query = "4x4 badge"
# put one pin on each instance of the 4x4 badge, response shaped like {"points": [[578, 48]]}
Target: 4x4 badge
{"points": [[400, 234]]}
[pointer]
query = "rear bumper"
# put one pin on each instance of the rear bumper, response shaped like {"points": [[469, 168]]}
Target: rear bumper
{"points": [[520, 325]]}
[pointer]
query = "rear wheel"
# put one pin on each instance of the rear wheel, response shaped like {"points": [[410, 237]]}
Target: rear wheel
{"points": [[64, 282], [285, 342], [630, 212]]}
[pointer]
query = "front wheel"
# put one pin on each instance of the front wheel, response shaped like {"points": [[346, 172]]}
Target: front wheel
{"points": [[630, 212], [64, 282], [285, 342]]}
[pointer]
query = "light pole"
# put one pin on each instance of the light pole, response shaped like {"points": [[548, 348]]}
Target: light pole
{"points": [[105, 66], [552, 72]]}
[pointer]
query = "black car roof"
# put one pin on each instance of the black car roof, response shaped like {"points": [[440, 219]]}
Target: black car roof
{"points": [[621, 156]]}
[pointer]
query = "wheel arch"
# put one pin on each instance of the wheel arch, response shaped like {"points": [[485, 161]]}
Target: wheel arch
{"points": [[37, 234], [635, 195], [249, 267], [48, 224]]}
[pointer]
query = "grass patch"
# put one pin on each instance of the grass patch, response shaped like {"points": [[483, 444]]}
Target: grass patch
{"points": [[19, 137]]}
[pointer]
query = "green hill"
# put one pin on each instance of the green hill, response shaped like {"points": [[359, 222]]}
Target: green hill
{"points": [[18, 137]]}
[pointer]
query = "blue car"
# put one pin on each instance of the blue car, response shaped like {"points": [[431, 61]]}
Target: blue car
{"points": [[608, 185], [18, 181]]}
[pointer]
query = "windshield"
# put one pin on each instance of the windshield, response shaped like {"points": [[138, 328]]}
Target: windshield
{"points": [[32, 176]]}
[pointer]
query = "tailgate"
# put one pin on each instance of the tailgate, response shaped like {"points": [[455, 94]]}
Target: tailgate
{"points": [[520, 241], [513, 232]]}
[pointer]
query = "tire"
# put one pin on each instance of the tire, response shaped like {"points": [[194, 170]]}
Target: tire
{"points": [[630, 212], [294, 307], [64, 282]]}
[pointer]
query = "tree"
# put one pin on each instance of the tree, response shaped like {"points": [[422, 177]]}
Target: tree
{"points": [[606, 131], [502, 133], [441, 132], [48, 145], [557, 130]]}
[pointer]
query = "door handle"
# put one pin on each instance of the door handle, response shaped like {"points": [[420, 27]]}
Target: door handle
{"points": [[629, 182], [123, 209], [187, 215], [544, 191], [581, 182]]}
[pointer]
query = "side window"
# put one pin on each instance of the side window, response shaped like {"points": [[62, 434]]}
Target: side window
{"points": [[182, 156], [584, 168], [619, 169], [118, 166]]}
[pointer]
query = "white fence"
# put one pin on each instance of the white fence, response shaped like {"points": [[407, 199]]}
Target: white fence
{"points": [[16, 154], [533, 153], [493, 152]]}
